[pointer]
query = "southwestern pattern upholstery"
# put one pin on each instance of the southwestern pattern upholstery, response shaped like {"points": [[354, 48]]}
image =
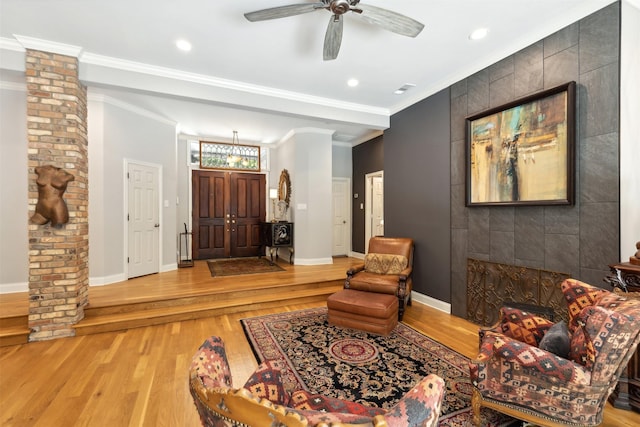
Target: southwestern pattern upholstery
{"points": [[263, 401], [512, 375], [387, 270]]}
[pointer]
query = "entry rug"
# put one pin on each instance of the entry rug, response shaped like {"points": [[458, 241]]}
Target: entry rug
{"points": [[238, 266], [363, 367]]}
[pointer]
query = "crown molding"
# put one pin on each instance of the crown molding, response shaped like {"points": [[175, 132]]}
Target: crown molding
{"points": [[11, 44], [48, 46], [170, 73], [106, 99]]}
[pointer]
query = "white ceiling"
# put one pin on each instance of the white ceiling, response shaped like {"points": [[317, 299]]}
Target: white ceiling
{"points": [[264, 79]]}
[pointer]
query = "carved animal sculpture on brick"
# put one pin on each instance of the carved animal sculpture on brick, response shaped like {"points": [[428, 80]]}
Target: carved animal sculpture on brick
{"points": [[52, 183]]}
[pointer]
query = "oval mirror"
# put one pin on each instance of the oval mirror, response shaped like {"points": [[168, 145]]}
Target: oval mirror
{"points": [[284, 187]]}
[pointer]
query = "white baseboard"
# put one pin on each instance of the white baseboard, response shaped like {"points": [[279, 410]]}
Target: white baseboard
{"points": [[431, 302], [121, 277], [107, 280], [10, 288], [356, 255], [312, 261], [169, 267]]}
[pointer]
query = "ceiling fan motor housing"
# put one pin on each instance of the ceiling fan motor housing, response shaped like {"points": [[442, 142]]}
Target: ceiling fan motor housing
{"points": [[338, 7]]}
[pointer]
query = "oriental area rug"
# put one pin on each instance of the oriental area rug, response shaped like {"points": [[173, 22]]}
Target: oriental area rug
{"points": [[363, 367], [238, 266]]}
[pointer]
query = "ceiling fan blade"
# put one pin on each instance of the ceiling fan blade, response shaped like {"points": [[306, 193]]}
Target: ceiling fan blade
{"points": [[392, 21], [283, 11], [333, 38]]}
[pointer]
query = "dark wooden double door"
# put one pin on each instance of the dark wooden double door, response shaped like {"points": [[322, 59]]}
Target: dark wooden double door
{"points": [[228, 208]]}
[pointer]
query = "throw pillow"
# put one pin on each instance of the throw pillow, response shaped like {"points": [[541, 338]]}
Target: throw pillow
{"points": [[578, 296], [385, 263], [557, 340], [523, 325]]}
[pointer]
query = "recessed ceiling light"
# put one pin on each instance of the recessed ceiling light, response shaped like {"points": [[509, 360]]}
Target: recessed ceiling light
{"points": [[478, 34], [404, 88], [183, 45], [353, 82]]}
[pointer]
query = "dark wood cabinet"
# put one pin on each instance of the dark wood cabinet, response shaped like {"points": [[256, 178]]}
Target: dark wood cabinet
{"points": [[276, 235]]}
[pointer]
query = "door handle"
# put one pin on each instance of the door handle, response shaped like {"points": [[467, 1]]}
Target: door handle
{"points": [[156, 225]]}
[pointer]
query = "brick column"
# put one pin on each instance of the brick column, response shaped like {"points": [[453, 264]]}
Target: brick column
{"points": [[57, 134]]}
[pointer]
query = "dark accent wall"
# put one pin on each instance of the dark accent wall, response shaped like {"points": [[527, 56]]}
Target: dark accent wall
{"points": [[580, 240], [367, 158], [416, 190]]}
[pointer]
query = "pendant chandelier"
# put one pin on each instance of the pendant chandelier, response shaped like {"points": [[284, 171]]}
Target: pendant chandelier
{"points": [[233, 157]]}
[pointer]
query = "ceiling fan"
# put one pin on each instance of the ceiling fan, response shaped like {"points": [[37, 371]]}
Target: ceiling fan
{"points": [[387, 19]]}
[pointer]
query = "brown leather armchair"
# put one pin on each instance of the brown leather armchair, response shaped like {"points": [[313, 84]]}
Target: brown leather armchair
{"points": [[387, 270]]}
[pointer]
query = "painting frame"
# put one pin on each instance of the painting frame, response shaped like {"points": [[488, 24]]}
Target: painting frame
{"points": [[523, 152]]}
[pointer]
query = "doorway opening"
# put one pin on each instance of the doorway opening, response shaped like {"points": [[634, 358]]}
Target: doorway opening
{"points": [[374, 206]]}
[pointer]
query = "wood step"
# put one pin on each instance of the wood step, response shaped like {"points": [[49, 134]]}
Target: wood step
{"points": [[212, 296], [207, 306], [14, 330], [14, 335], [184, 294]]}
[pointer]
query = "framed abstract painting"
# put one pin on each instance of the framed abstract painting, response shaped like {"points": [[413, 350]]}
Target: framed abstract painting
{"points": [[522, 153]]}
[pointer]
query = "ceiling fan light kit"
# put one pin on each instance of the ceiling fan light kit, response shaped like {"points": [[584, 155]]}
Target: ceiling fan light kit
{"points": [[387, 19]]}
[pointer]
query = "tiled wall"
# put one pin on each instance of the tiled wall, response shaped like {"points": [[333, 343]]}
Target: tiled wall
{"points": [[580, 240]]}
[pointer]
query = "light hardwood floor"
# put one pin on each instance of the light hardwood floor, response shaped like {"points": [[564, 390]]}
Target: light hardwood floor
{"points": [[138, 377]]}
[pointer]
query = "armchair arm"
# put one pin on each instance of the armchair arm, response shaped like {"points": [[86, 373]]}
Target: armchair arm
{"points": [[406, 273], [420, 406], [503, 354], [355, 269]]}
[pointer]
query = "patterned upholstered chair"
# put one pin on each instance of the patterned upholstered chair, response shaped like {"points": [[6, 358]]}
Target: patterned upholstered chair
{"points": [[386, 270], [514, 376], [264, 402]]}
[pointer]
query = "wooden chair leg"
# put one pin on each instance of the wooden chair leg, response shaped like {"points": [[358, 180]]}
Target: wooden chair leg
{"points": [[476, 400]]}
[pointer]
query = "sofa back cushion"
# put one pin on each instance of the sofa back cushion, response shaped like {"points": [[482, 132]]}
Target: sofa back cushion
{"points": [[385, 263]]}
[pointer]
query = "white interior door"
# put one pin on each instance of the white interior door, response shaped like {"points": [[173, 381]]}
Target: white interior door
{"points": [[341, 217], [374, 206], [143, 220], [377, 206]]}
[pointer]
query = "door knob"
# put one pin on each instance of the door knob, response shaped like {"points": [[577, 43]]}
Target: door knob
{"points": [[156, 225]]}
